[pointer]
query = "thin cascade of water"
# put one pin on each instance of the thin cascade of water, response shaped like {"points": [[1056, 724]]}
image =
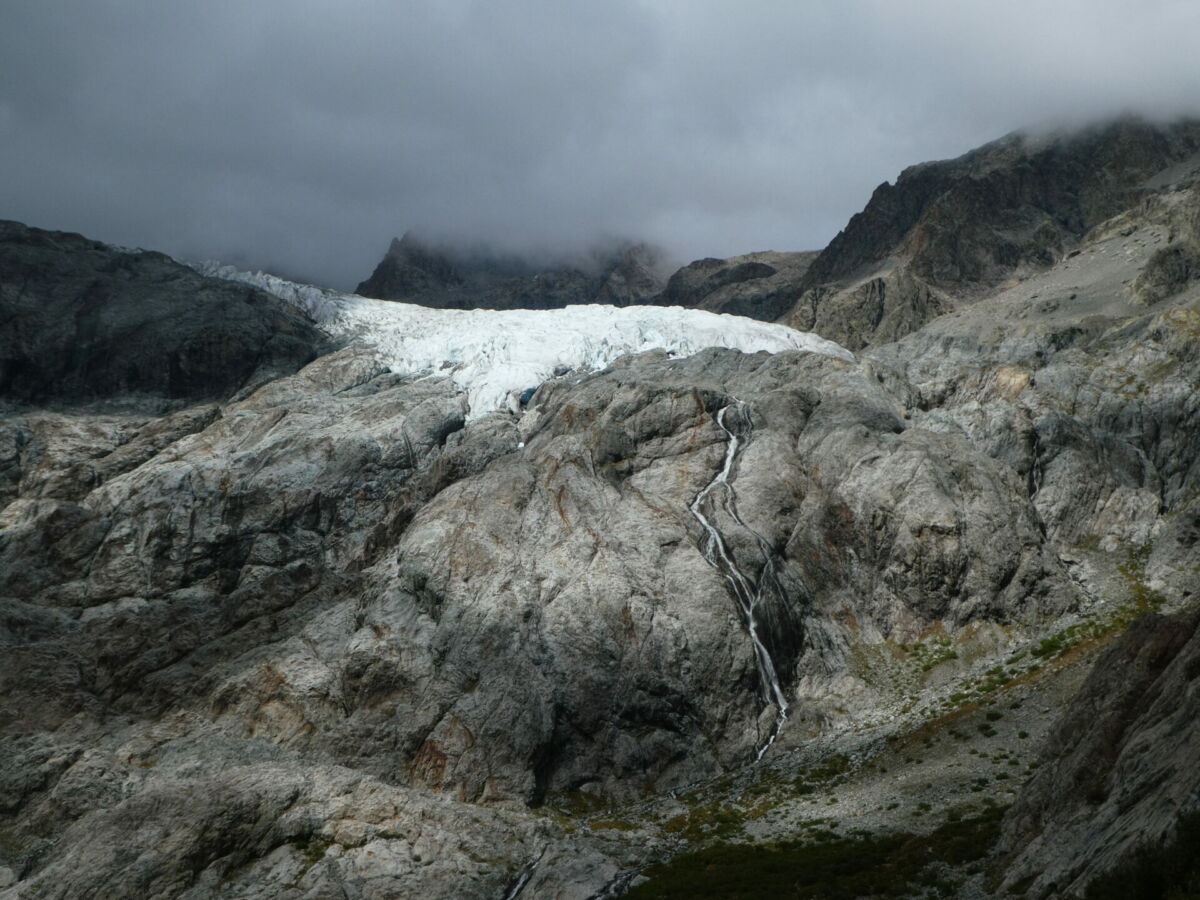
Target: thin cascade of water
{"points": [[747, 593], [523, 878], [617, 887]]}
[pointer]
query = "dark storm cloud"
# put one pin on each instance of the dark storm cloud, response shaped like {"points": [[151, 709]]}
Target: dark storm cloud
{"points": [[302, 135]]}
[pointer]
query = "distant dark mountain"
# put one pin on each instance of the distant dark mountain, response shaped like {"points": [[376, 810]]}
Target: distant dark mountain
{"points": [[445, 277], [409, 269], [84, 320], [761, 285]]}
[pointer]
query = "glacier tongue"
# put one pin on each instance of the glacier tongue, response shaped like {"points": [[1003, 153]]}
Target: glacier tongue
{"points": [[492, 354]]}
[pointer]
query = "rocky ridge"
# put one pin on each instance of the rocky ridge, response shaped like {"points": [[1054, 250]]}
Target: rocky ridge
{"points": [[948, 231], [762, 285]]}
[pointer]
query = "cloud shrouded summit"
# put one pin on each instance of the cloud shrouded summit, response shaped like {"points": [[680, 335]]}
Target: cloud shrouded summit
{"points": [[301, 136]]}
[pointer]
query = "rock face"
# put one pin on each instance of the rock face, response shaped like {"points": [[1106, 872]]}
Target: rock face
{"points": [[365, 580], [452, 278], [327, 635], [84, 320], [1120, 767], [1096, 391]]}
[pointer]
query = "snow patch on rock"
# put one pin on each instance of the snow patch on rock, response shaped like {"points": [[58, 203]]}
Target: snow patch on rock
{"points": [[493, 354]]}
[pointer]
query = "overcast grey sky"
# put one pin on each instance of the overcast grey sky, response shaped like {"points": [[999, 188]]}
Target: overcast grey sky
{"points": [[302, 135]]}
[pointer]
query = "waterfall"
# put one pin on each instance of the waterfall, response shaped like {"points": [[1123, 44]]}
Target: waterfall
{"points": [[746, 591], [523, 878], [616, 887]]}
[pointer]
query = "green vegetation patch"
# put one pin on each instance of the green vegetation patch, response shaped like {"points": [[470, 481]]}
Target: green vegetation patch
{"points": [[1142, 599], [612, 825], [1139, 599], [575, 803], [895, 865], [828, 773], [715, 820], [929, 654], [313, 848]]}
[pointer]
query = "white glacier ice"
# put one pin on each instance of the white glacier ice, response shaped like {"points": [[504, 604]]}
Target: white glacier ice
{"points": [[492, 354]]}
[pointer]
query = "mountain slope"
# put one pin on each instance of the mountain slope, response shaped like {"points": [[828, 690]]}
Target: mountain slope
{"points": [[367, 628], [947, 231], [1119, 769]]}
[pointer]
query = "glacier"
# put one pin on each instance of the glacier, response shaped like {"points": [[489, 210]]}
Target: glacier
{"points": [[494, 355]]}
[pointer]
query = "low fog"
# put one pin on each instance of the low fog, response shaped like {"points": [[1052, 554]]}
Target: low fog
{"points": [[301, 136]]}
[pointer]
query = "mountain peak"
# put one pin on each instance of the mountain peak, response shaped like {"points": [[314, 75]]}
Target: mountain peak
{"points": [[410, 267]]}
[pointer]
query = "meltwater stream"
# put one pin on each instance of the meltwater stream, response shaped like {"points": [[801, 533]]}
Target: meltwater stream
{"points": [[523, 877], [616, 887], [747, 592]]}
